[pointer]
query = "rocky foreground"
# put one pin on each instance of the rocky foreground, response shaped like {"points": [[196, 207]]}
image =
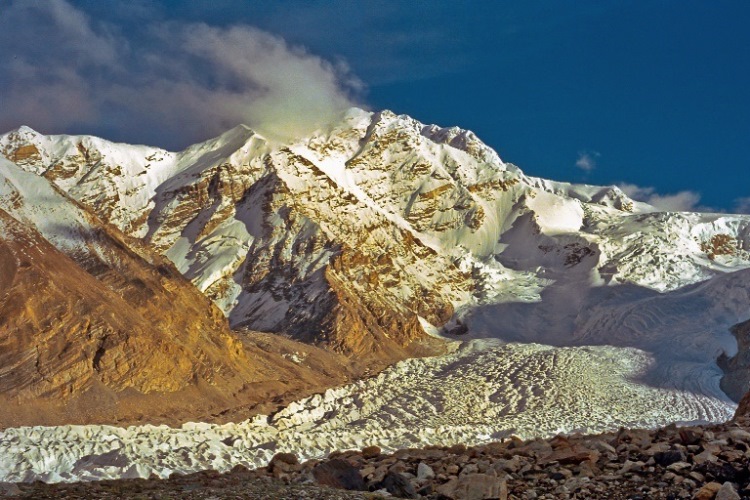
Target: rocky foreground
{"points": [[709, 462]]}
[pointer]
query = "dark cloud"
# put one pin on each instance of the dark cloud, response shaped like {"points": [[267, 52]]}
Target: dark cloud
{"points": [[174, 81]]}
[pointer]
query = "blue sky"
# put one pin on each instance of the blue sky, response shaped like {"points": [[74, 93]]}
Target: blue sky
{"points": [[653, 94]]}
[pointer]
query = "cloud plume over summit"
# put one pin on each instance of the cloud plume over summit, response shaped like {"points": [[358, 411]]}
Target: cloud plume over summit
{"points": [[179, 82]]}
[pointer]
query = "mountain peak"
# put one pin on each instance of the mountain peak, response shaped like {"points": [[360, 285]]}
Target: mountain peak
{"points": [[24, 132], [242, 127], [240, 130], [25, 129], [235, 137]]}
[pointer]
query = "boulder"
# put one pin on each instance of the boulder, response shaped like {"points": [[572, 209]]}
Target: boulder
{"points": [[703, 457], [371, 452], [739, 435], [690, 436], [667, 458], [678, 466], [727, 492], [448, 489], [340, 474], [722, 472], [398, 486], [475, 487], [571, 455], [282, 462], [707, 492], [424, 471]]}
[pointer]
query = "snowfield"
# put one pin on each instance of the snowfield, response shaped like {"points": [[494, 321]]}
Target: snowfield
{"points": [[484, 391]]}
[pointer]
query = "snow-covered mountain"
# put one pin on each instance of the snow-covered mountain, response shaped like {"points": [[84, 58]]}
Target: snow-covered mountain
{"points": [[576, 307], [95, 327], [371, 231]]}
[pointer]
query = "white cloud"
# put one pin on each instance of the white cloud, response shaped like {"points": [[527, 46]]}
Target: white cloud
{"points": [[180, 82], [587, 160], [682, 201]]}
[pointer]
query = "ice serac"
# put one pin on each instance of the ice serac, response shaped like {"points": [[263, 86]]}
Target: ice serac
{"points": [[370, 232], [95, 327]]}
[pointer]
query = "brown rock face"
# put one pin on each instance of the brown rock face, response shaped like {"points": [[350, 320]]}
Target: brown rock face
{"points": [[103, 308], [96, 327], [363, 319], [24, 153]]}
